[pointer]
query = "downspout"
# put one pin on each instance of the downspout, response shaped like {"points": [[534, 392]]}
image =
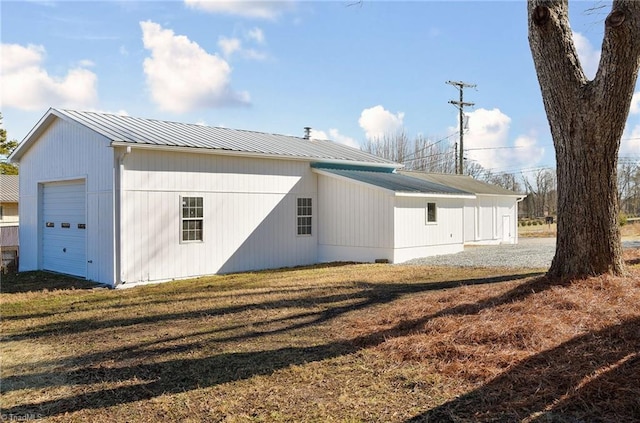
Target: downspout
{"points": [[519, 200], [118, 220]]}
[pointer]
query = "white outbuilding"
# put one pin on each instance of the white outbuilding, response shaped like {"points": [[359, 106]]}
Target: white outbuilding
{"points": [[491, 217], [123, 200]]}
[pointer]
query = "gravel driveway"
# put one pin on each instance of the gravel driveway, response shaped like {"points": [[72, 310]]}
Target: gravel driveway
{"points": [[529, 252]]}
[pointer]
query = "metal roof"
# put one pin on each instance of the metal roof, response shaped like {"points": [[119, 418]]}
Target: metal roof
{"points": [[396, 182], [128, 130], [462, 182], [9, 188]]}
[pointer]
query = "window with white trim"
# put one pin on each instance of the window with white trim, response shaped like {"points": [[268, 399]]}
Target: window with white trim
{"points": [[191, 218], [432, 213], [304, 215]]}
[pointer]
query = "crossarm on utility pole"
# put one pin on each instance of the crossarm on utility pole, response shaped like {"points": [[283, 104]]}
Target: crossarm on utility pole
{"points": [[461, 105]]}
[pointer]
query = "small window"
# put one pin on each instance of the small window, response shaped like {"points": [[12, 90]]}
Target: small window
{"points": [[432, 214], [192, 217], [82, 226], [50, 224], [304, 216], [65, 225]]}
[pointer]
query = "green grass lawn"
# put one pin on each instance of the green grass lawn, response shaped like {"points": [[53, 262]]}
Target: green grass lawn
{"points": [[344, 343]]}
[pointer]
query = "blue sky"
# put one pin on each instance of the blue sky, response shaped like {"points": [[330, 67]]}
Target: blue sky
{"points": [[349, 71]]}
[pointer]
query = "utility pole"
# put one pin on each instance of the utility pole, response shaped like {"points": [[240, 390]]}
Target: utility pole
{"points": [[461, 105]]}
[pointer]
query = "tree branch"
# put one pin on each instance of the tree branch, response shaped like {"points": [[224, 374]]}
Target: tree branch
{"points": [[550, 35], [620, 59]]}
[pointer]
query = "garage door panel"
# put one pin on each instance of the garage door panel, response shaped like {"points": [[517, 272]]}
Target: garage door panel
{"points": [[64, 228]]}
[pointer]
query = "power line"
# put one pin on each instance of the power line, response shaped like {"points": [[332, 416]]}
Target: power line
{"points": [[429, 146], [496, 148], [443, 153]]}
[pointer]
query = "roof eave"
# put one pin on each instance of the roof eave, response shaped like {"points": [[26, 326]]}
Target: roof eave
{"points": [[38, 129], [396, 193], [33, 134], [502, 195], [435, 195], [249, 154]]}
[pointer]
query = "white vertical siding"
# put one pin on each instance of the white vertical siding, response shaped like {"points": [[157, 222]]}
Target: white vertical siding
{"points": [[68, 151], [414, 237], [507, 207], [356, 221], [490, 211], [471, 220], [487, 218], [249, 214], [365, 223]]}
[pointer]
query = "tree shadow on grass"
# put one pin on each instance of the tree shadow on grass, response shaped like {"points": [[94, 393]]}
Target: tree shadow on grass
{"points": [[593, 377], [150, 378], [632, 262], [368, 294]]}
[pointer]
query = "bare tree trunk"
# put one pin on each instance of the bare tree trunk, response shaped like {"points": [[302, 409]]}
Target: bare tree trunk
{"points": [[587, 119]]}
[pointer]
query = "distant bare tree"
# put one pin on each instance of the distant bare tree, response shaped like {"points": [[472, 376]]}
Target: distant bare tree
{"points": [[504, 180], [393, 147], [418, 154], [629, 188], [476, 171], [546, 182], [542, 193], [430, 156]]}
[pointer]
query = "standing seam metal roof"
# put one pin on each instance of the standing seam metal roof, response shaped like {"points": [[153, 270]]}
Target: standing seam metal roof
{"points": [[397, 182], [127, 129], [463, 182]]}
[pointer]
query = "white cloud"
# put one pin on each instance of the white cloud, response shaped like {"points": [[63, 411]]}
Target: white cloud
{"points": [[487, 142], [182, 76], [252, 54], [248, 9], [335, 135], [589, 56], [16, 57], [378, 122], [27, 85], [256, 35], [635, 104], [229, 45], [86, 63], [234, 46]]}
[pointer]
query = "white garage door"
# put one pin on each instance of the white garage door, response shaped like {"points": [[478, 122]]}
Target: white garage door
{"points": [[64, 230]]}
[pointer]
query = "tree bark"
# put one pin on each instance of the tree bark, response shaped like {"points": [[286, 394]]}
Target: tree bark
{"points": [[587, 119]]}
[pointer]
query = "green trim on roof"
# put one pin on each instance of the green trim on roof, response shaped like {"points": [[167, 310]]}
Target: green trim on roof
{"points": [[339, 166]]}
